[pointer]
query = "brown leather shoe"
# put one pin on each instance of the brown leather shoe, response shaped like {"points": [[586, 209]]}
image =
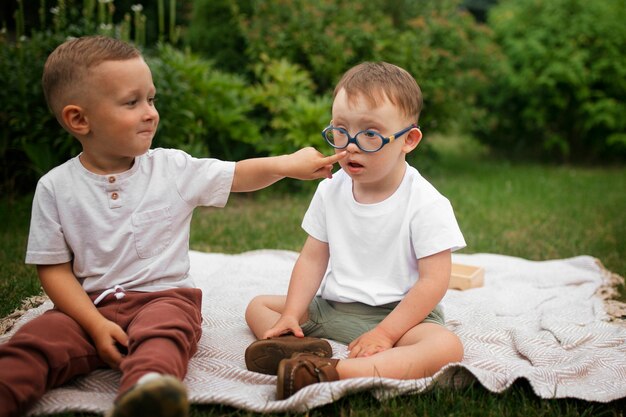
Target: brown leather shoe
{"points": [[264, 355], [301, 370]]}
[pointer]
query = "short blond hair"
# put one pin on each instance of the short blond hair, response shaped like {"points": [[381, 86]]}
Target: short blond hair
{"points": [[67, 66], [376, 81]]}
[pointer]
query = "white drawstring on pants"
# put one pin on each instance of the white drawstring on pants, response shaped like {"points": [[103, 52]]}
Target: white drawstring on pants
{"points": [[118, 291]]}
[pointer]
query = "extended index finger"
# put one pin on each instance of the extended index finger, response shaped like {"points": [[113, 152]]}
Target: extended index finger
{"points": [[329, 160]]}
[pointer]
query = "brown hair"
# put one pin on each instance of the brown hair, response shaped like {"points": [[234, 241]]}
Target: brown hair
{"points": [[68, 64], [376, 81]]}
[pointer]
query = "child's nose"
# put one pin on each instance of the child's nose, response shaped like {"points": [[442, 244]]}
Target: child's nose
{"points": [[352, 147], [151, 112]]}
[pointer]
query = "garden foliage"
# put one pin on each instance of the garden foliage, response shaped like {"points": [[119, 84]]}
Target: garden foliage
{"points": [[288, 111], [241, 78], [561, 93], [31, 141], [441, 45], [204, 111]]}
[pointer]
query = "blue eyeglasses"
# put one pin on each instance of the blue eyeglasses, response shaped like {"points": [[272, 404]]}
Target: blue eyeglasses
{"points": [[365, 140]]}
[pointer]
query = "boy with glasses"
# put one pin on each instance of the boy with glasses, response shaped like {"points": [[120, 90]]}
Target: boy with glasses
{"points": [[379, 250]]}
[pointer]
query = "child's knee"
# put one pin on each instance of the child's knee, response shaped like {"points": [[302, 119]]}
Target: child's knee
{"points": [[254, 306], [454, 347]]}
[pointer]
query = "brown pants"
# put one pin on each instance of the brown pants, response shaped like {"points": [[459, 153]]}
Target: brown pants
{"points": [[164, 328]]}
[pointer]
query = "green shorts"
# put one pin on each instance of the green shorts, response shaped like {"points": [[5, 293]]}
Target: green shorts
{"points": [[344, 322]]}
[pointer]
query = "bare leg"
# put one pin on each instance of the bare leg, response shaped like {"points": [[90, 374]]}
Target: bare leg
{"points": [[264, 356], [264, 311], [421, 352]]}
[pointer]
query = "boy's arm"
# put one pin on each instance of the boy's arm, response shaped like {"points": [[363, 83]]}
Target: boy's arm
{"points": [[305, 164], [306, 277], [434, 277], [61, 285]]}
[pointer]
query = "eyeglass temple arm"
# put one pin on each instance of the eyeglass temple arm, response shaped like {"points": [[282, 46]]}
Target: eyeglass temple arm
{"points": [[402, 132]]}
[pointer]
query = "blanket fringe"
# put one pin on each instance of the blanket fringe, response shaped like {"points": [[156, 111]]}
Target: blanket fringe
{"points": [[6, 323], [609, 293]]}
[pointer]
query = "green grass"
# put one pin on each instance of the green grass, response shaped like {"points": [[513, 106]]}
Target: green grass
{"points": [[17, 281], [521, 209], [534, 211]]}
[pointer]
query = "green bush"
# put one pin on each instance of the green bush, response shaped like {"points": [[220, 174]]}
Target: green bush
{"points": [[31, 140], [290, 114], [214, 32], [441, 45], [203, 111], [324, 36], [561, 94], [452, 59], [208, 112]]}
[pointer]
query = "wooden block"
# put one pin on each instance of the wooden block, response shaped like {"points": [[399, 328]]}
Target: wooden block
{"points": [[466, 276]]}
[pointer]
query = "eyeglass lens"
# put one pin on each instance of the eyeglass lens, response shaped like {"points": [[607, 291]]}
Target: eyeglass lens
{"points": [[367, 140]]}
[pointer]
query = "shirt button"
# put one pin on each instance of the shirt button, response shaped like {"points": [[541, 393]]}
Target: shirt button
{"points": [[114, 196], [111, 180]]}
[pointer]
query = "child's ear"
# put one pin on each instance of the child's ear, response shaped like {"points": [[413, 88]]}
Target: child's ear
{"points": [[75, 120], [412, 139]]}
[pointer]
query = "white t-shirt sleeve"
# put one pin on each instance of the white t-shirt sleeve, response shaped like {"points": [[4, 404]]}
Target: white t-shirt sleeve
{"points": [[202, 181], [46, 241], [434, 229], [314, 221]]}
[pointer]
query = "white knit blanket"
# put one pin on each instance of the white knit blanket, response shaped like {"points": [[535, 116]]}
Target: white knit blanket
{"points": [[542, 321]]}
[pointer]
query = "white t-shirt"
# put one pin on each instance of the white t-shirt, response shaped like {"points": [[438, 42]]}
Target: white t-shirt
{"points": [[375, 248], [129, 229]]}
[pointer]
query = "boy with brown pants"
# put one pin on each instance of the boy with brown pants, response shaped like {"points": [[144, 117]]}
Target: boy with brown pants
{"points": [[110, 234]]}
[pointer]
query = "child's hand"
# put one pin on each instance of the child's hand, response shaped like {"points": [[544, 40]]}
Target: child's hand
{"points": [[284, 325], [370, 343], [107, 339], [309, 164]]}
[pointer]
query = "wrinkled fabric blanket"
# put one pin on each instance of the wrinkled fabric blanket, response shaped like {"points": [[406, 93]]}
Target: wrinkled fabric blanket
{"points": [[542, 321]]}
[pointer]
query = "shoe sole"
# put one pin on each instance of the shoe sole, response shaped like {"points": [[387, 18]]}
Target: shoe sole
{"points": [[281, 392], [165, 397], [264, 356]]}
